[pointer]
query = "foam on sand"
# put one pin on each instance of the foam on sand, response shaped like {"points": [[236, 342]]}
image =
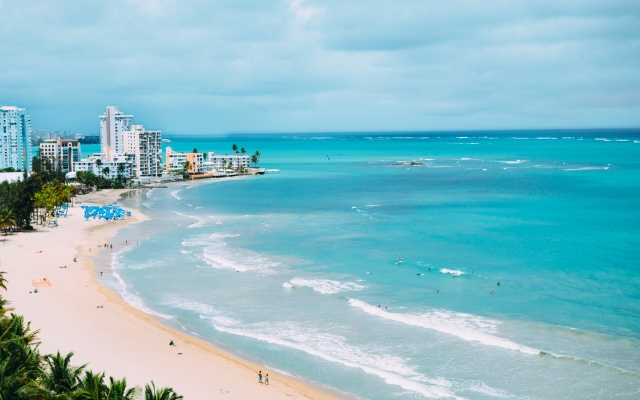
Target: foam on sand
{"points": [[327, 286], [464, 326]]}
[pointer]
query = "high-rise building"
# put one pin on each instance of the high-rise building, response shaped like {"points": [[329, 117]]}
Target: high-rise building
{"points": [[113, 123], [64, 151], [15, 138], [146, 147]]}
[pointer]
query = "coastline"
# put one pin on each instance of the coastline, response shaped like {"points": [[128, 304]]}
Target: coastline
{"points": [[120, 339]]}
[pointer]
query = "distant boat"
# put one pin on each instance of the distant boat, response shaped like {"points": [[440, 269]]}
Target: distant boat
{"points": [[328, 159]]}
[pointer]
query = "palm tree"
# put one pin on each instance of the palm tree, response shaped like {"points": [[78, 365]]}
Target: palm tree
{"points": [[195, 150], [98, 164], [105, 171], [242, 150], [234, 148], [257, 153], [118, 390], [224, 164], [6, 221], [3, 281], [93, 387], [187, 166], [204, 156], [153, 393], [254, 159], [61, 377]]}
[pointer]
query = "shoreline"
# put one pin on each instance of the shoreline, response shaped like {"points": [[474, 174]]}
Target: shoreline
{"points": [[208, 369]]}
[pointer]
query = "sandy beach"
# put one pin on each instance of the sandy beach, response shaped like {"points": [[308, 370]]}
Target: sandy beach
{"points": [[118, 338]]}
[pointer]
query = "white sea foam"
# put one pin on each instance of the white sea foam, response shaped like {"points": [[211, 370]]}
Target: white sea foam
{"points": [[327, 286], [481, 387], [454, 272], [622, 140], [464, 326], [175, 194], [568, 137], [123, 289], [546, 138], [586, 169], [188, 305], [185, 252], [393, 370], [216, 254], [148, 194], [287, 285], [513, 161]]}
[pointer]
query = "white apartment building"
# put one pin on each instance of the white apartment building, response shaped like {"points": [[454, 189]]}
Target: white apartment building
{"points": [[173, 160], [15, 138], [65, 151], [234, 161], [119, 165], [113, 123], [146, 148]]}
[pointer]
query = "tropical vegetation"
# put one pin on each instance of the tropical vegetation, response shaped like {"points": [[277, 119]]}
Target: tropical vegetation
{"points": [[25, 374]]}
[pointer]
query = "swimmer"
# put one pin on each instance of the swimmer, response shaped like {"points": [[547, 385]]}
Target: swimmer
{"points": [[378, 305], [472, 271], [493, 292], [368, 273], [498, 284], [437, 291]]}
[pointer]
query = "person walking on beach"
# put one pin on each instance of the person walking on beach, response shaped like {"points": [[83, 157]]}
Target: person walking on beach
{"points": [[266, 379], [260, 376], [100, 273]]}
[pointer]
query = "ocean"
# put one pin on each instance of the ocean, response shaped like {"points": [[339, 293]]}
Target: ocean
{"points": [[469, 265]]}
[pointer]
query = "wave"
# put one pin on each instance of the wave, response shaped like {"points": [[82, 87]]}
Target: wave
{"points": [[203, 240], [217, 255], [333, 348], [586, 169], [123, 289], [464, 326], [513, 161], [588, 362], [287, 285], [175, 194], [546, 138], [454, 272], [327, 286], [148, 194]]}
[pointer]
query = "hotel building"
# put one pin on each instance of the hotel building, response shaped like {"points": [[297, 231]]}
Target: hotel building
{"points": [[119, 165], [113, 124], [146, 148], [15, 138], [65, 151]]}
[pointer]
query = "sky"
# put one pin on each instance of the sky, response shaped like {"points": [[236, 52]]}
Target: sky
{"points": [[253, 66]]}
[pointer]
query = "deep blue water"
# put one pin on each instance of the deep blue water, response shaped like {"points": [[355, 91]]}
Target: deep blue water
{"points": [[288, 269]]}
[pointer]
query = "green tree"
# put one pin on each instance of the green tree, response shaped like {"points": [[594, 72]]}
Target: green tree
{"points": [[153, 393], [195, 150], [60, 376], [234, 148], [254, 159]]}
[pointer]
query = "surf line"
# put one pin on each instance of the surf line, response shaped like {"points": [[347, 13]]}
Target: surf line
{"points": [[440, 324]]}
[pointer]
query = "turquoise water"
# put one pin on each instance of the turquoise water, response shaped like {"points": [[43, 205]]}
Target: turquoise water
{"points": [[288, 269]]}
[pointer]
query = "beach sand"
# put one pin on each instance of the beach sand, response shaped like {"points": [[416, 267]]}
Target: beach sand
{"points": [[118, 338]]}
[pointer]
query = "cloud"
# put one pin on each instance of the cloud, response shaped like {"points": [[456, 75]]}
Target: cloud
{"points": [[321, 65]]}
